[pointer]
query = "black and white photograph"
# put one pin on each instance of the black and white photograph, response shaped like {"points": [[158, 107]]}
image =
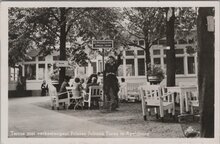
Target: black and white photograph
{"points": [[146, 71]]}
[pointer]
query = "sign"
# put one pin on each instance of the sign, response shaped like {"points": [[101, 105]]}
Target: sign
{"points": [[62, 64], [104, 44], [210, 24]]}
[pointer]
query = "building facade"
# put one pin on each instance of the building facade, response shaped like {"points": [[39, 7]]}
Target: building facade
{"points": [[133, 68]]}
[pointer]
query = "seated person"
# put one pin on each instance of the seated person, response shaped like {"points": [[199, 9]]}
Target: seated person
{"points": [[63, 87], [90, 78], [93, 83], [44, 88], [82, 84], [77, 88]]}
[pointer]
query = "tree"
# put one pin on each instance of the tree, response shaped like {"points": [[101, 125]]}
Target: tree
{"points": [[206, 72], [146, 24], [41, 28], [45, 28], [170, 55], [180, 22]]}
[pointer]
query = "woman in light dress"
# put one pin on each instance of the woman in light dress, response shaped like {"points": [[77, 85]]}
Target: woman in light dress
{"points": [[51, 89]]}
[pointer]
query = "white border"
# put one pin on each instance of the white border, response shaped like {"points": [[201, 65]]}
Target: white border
{"points": [[4, 70]]}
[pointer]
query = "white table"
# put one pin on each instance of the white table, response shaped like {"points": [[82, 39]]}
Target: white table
{"points": [[181, 94]]}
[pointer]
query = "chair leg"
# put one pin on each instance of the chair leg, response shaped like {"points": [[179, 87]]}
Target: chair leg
{"points": [[145, 117], [191, 109], [156, 113], [144, 108], [162, 119], [149, 111], [161, 112]]}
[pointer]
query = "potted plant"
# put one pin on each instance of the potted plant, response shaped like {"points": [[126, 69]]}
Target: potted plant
{"points": [[155, 74]]}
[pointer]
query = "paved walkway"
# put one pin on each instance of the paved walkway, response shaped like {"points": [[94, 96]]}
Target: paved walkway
{"points": [[29, 120], [32, 117]]}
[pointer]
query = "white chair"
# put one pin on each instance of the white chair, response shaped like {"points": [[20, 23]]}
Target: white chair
{"points": [[133, 91], [94, 92], [151, 97], [190, 92], [74, 97], [191, 98], [55, 98]]}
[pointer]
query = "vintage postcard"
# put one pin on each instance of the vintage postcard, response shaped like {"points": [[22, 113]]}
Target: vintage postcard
{"points": [[110, 72]]}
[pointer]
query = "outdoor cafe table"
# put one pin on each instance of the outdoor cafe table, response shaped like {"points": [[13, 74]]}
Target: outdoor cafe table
{"points": [[181, 95]]}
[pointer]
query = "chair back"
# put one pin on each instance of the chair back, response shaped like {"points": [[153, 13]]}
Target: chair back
{"points": [[182, 84], [95, 91], [151, 94], [191, 93], [133, 86]]}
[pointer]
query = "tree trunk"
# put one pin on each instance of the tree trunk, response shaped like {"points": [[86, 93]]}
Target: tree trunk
{"points": [[147, 58], [170, 55], [62, 43], [206, 73]]}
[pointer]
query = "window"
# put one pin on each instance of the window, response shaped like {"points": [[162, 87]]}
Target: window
{"points": [[140, 52], [100, 69], [156, 52], [30, 71], [191, 41], [129, 53], [130, 71], [179, 51], [182, 41], [41, 58], [191, 65], [120, 71], [162, 42], [141, 42], [179, 65], [56, 75], [14, 74], [157, 61], [41, 71], [94, 67], [165, 64], [55, 58], [141, 67]]}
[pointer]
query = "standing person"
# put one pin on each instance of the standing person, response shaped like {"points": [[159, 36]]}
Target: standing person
{"points": [[44, 88], [111, 85], [51, 89], [63, 87]]}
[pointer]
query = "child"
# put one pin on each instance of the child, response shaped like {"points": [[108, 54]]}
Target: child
{"points": [[123, 90], [44, 88]]}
